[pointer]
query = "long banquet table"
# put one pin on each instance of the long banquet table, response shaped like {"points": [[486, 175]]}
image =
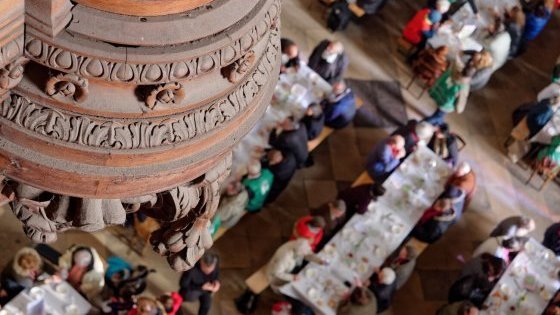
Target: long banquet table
{"points": [[366, 241], [294, 92], [528, 284], [50, 299]]}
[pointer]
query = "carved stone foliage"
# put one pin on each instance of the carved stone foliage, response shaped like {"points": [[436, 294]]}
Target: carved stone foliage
{"points": [[11, 51], [139, 134], [182, 212], [137, 73], [235, 71], [168, 94], [10, 76], [67, 86]]}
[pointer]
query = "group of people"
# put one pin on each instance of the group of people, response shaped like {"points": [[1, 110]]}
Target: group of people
{"points": [[451, 78], [270, 170]]}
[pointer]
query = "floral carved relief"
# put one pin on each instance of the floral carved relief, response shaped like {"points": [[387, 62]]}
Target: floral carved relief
{"points": [[67, 86], [167, 94]]}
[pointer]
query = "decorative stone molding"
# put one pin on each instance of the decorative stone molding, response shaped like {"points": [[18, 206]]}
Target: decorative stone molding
{"points": [[168, 94], [183, 213], [67, 86], [10, 76], [235, 71], [136, 134], [48, 16], [125, 71]]}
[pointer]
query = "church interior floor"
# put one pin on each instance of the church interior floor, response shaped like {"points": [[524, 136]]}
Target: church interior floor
{"points": [[371, 46]]}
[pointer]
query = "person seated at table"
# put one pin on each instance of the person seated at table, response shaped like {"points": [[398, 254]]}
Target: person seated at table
{"points": [[339, 107], [385, 158], [233, 204], [171, 303], [329, 60], [444, 144], [283, 166], [290, 55], [497, 41], [310, 228], [485, 264], [483, 68], [201, 282], [464, 179], [362, 301], [421, 28], [83, 268], [536, 20], [415, 133], [258, 184], [291, 136], [403, 264], [552, 238], [334, 215], [472, 288], [514, 226], [431, 64], [313, 120], [505, 249], [442, 6], [458, 308], [146, 306], [358, 198], [384, 285], [450, 92], [123, 283], [19, 274], [437, 220], [515, 24], [286, 260]]}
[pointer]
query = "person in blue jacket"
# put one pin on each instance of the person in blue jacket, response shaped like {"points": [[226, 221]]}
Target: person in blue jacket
{"points": [[536, 20], [340, 107]]}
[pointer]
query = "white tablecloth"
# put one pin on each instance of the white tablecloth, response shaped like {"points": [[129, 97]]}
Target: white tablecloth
{"points": [[58, 299], [366, 241], [528, 284], [293, 94]]}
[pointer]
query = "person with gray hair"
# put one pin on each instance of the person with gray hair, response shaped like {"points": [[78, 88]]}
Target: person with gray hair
{"points": [[415, 133], [383, 284], [258, 184], [514, 226], [339, 106], [329, 60], [334, 214]]}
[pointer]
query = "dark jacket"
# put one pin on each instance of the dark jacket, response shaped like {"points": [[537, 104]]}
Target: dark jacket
{"points": [[194, 279], [314, 125], [452, 154], [472, 288], [372, 6], [552, 238], [516, 33], [331, 72], [341, 111], [356, 198], [283, 173], [294, 62], [293, 141], [538, 116]]}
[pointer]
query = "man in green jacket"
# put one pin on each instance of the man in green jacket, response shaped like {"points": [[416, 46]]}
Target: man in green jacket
{"points": [[258, 183]]}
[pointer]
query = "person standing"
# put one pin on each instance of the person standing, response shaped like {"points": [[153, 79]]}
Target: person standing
{"points": [[201, 282], [329, 60]]}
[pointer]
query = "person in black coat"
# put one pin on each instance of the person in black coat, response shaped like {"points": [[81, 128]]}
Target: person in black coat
{"points": [[329, 60], [290, 55], [383, 285], [314, 121], [444, 144], [201, 282], [283, 166], [552, 238], [372, 6], [474, 288], [291, 137]]}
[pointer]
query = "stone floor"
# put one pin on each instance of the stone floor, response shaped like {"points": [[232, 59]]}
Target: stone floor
{"points": [[338, 161]]}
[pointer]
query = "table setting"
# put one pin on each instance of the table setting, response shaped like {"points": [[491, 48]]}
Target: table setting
{"points": [[48, 299], [367, 240], [527, 285]]}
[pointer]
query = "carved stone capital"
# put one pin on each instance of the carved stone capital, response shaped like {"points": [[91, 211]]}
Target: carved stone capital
{"points": [[10, 76], [239, 68]]}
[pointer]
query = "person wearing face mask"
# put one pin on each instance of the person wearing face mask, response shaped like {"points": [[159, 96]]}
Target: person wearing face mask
{"points": [[290, 55], [329, 60]]}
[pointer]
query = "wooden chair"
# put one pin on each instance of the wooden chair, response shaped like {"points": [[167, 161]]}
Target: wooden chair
{"points": [[546, 169], [425, 70], [405, 47]]}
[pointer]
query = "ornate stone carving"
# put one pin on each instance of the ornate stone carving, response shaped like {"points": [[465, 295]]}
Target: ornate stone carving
{"points": [[136, 73], [235, 71], [136, 134], [67, 86], [11, 51], [168, 94], [10, 76], [183, 213]]}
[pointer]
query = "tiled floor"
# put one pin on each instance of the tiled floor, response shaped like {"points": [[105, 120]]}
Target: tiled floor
{"points": [[338, 161]]}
